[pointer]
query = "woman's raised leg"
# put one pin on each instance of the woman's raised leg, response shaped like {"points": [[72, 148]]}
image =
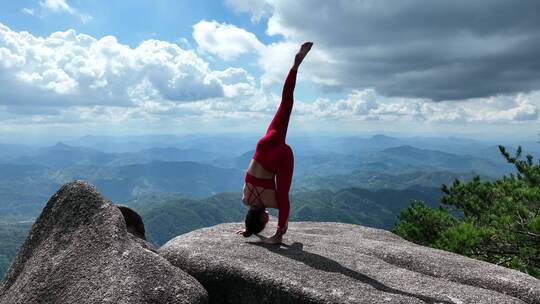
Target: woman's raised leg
{"points": [[280, 122]]}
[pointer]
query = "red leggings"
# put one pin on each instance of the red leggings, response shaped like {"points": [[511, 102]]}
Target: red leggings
{"points": [[280, 122], [275, 155]]}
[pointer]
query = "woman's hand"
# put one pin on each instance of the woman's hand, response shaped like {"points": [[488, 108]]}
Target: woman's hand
{"points": [[274, 239], [241, 231]]}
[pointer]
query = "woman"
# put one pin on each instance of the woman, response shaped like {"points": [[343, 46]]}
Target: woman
{"points": [[269, 174]]}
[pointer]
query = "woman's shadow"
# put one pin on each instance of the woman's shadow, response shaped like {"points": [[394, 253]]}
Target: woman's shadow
{"points": [[295, 251]]}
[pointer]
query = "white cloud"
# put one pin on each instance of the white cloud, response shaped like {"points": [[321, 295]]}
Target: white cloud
{"points": [[360, 104], [228, 42], [224, 40], [68, 68], [520, 109], [61, 6], [363, 105], [257, 8], [28, 11], [236, 82], [57, 6]]}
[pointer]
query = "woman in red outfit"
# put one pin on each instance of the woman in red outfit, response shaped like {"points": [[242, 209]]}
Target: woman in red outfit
{"points": [[269, 174]]}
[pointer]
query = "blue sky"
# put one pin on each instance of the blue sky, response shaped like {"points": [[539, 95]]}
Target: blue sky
{"points": [[136, 67], [131, 21]]}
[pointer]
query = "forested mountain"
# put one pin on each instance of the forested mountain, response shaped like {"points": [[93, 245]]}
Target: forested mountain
{"points": [[25, 188], [12, 234], [218, 144], [396, 160], [28, 180], [62, 155], [377, 180], [167, 218], [407, 158]]}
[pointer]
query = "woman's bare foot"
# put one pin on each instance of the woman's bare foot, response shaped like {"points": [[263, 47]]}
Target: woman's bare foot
{"points": [[304, 49]]}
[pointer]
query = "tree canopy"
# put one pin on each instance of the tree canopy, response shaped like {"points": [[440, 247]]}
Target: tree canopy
{"points": [[494, 221]]}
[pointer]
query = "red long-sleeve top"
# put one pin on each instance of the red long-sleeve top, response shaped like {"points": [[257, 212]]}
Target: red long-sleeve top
{"points": [[275, 155]]}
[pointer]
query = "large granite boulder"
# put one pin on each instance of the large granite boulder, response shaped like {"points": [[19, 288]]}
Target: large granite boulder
{"points": [[340, 263], [81, 249]]}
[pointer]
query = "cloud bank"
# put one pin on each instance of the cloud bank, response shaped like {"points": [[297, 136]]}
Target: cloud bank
{"points": [[68, 68], [450, 50]]}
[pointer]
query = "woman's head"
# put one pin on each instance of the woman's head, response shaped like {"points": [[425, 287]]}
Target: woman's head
{"points": [[255, 221]]}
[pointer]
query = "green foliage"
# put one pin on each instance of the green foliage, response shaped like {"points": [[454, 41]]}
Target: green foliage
{"points": [[424, 224], [167, 219], [495, 221], [12, 235]]}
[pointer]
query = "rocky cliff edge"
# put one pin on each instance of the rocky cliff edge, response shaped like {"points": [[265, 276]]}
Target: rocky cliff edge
{"points": [[339, 263]]}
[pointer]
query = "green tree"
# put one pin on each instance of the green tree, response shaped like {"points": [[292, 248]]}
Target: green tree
{"points": [[494, 221]]}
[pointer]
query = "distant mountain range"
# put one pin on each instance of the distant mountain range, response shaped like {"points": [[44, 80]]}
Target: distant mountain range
{"points": [[62, 155], [111, 150], [218, 144], [234, 145], [191, 178], [408, 159], [395, 160], [377, 180], [28, 180], [25, 188]]}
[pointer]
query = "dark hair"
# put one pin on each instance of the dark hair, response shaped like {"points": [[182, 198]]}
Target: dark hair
{"points": [[253, 222]]}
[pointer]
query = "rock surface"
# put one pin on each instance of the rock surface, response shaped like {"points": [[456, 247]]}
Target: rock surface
{"points": [[340, 263], [79, 251]]}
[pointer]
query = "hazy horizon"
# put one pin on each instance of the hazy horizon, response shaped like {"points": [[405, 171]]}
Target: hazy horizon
{"points": [[51, 139]]}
